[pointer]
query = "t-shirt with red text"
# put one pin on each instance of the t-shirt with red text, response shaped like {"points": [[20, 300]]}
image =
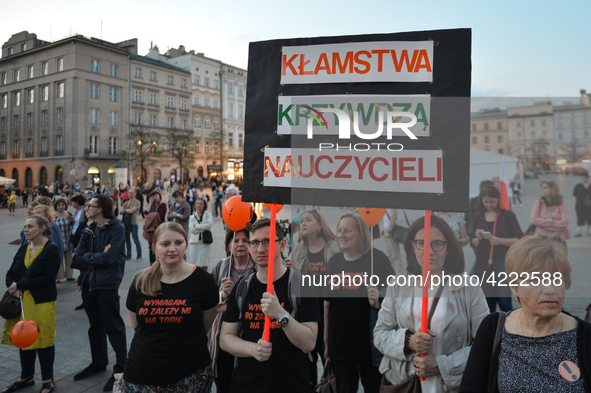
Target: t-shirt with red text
{"points": [[288, 368], [170, 342]]}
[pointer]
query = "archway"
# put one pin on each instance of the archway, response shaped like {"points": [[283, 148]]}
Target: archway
{"points": [[157, 176], [28, 178], [15, 177], [59, 175], [138, 175], [200, 172], [173, 175], [43, 176], [2, 173], [94, 175]]}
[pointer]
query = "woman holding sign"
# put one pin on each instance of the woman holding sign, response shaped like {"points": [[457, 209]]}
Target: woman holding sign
{"points": [[172, 305], [455, 313], [350, 308], [538, 347]]}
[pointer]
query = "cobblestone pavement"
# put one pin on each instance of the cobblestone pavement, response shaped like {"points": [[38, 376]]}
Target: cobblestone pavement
{"points": [[72, 348]]}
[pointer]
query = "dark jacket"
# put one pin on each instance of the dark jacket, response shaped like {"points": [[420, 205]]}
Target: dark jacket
{"points": [[41, 279], [101, 270], [482, 368]]}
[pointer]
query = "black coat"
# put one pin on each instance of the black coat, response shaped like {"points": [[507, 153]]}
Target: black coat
{"points": [[41, 279]]}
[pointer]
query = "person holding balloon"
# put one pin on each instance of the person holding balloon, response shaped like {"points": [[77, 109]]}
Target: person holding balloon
{"points": [[31, 277], [199, 222], [455, 312], [351, 307]]}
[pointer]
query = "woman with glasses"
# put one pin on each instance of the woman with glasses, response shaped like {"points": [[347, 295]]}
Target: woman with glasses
{"points": [[310, 257], [455, 319], [351, 307], [550, 213], [494, 230]]}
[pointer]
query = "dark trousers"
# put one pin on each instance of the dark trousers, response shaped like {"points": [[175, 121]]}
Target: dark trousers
{"points": [[218, 205], [102, 308], [503, 302], [225, 368], [516, 194], [136, 240], [347, 377], [46, 358]]}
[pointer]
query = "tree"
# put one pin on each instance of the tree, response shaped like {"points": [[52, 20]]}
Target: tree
{"points": [[181, 145], [539, 151], [571, 151], [143, 149]]}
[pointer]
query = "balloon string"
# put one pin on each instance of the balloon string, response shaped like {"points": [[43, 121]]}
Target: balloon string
{"points": [[22, 309], [231, 255], [372, 251]]}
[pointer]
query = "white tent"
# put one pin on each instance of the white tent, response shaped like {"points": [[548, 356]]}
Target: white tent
{"points": [[4, 181], [485, 165]]}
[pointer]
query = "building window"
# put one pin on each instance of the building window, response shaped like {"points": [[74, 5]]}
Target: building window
{"points": [[196, 80], [29, 120], [138, 119], [17, 122], [3, 124], [23, 47], [533, 135], [15, 148], [183, 103], [153, 99], [473, 127], [474, 140], [10, 51], [198, 146], [499, 138], [183, 124], [560, 135], [543, 122], [486, 139], [94, 144], [31, 94], [500, 151], [43, 68], [230, 89], [138, 72], [586, 134], [216, 148], [231, 138], [197, 121], [240, 140], [60, 65], [113, 145], [215, 84], [544, 134], [519, 135], [16, 98], [485, 126], [152, 75], [44, 93], [170, 122], [170, 79], [95, 66], [29, 147], [60, 115], [239, 88], [2, 149], [216, 123], [532, 123], [206, 147], [206, 122], [17, 75], [3, 78], [206, 82], [113, 118], [115, 70], [3, 101], [231, 109], [518, 123], [573, 134], [206, 102], [60, 90], [240, 111], [44, 146], [170, 101], [499, 126], [59, 144], [30, 72], [138, 96], [94, 90], [216, 104], [113, 94], [94, 116], [183, 82], [152, 120], [44, 116]]}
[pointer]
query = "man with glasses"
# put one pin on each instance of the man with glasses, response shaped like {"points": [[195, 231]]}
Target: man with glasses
{"points": [[261, 365], [100, 256]]}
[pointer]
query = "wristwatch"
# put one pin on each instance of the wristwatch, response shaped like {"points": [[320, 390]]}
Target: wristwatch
{"points": [[284, 320]]}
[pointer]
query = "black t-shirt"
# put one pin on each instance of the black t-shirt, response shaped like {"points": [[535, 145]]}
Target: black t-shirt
{"points": [[316, 262], [583, 195], [288, 368], [348, 316], [170, 342]]}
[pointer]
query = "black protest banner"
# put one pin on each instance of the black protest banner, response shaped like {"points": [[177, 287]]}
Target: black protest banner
{"points": [[376, 120]]}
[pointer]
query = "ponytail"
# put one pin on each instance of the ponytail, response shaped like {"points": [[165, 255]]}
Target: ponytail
{"points": [[148, 280]]}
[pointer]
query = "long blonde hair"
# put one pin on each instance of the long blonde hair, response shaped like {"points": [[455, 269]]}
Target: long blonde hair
{"points": [[45, 211], [147, 281]]}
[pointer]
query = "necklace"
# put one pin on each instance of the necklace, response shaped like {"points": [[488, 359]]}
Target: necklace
{"points": [[521, 329]]}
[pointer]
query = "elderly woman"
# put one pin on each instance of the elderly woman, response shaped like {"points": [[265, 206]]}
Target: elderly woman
{"points": [[32, 278], [550, 213], [539, 347], [455, 318], [350, 309], [55, 235]]}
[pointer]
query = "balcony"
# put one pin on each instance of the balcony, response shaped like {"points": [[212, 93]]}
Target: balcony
{"points": [[59, 152], [104, 153], [29, 154], [43, 153]]}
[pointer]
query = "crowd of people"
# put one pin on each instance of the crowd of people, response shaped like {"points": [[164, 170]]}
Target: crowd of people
{"points": [[193, 328]]}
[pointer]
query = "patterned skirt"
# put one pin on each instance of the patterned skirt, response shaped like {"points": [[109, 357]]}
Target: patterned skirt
{"points": [[200, 382]]}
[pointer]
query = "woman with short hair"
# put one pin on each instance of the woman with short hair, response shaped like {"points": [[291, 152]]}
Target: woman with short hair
{"points": [[180, 211], [538, 347], [550, 214], [65, 222]]}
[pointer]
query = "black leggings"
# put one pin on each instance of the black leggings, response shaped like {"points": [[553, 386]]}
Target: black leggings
{"points": [[516, 195], [46, 358]]}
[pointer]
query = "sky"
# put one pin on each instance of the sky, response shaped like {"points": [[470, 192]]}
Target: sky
{"points": [[533, 49]]}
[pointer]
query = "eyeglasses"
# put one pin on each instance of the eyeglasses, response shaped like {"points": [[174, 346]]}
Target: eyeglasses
{"points": [[264, 243], [436, 245], [89, 206]]}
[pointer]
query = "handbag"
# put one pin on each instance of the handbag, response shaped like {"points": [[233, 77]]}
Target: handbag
{"points": [[413, 384], [207, 237], [328, 383], [10, 306]]}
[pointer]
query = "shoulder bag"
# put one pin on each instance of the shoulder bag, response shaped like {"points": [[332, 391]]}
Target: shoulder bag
{"points": [[328, 383], [413, 384], [206, 235]]}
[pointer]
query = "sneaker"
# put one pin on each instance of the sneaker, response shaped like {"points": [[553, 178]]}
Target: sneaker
{"points": [[88, 371], [128, 258], [109, 385], [139, 258]]}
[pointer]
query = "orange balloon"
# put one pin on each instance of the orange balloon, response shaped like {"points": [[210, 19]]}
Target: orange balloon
{"points": [[236, 213], [268, 206], [371, 215], [24, 333]]}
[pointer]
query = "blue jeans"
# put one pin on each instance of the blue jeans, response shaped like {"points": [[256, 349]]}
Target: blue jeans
{"points": [[136, 240]]}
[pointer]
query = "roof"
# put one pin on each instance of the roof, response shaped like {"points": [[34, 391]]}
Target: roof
{"points": [[571, 107], [159, 63], [488, 113]]}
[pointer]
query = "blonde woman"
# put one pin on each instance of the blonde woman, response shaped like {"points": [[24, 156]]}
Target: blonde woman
{"points": [[45, 211], [172, 305]]}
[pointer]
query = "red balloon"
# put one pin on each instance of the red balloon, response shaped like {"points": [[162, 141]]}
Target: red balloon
{"points": [[24, 333], [236, 213], [268, 206], [371, 215]]}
